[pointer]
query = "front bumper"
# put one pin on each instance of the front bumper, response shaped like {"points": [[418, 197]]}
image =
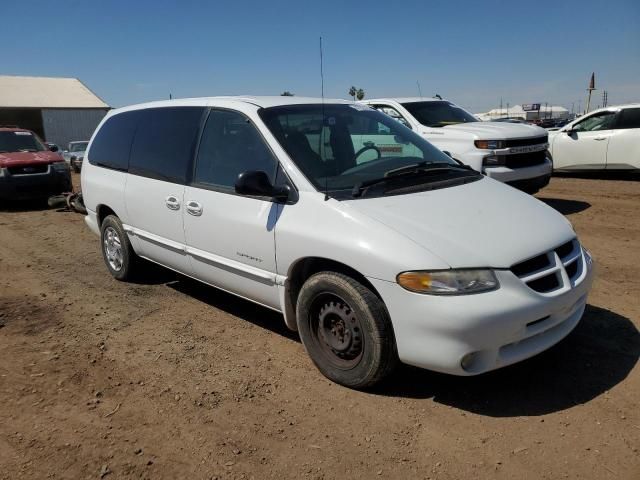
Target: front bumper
{"points": [[34, 185], [510, 175], [486, 331]]}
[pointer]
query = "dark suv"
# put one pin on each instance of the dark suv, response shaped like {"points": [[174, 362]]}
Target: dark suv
{"points": [[28, 169]]}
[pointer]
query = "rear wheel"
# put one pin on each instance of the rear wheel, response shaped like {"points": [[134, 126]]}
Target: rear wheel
{"points": [[346, 330], [116, 249]]}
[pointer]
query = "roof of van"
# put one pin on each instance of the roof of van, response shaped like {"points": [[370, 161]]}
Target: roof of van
{"points": [[260, 101]]}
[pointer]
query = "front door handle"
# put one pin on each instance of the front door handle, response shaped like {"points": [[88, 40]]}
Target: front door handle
{"points": [[172, 202], [194, 208], [600, 138]]}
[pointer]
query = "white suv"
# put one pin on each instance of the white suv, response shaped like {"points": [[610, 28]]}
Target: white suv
{"points": [[513, 153], [608, 138], [375, 245]]}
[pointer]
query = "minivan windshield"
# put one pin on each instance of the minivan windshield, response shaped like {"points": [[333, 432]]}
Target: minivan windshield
{"points": [[20, 141], [351, 150], [438, 113]]}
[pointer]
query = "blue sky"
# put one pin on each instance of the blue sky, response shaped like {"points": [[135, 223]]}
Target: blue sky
{"points": [[471, 52]]}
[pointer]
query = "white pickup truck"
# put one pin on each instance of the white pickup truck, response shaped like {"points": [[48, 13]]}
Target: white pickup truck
{"points": [[508, 152]]}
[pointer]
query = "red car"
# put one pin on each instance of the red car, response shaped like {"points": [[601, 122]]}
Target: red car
{"points": [[28, 169]]}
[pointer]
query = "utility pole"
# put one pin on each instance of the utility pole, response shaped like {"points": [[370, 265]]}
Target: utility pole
{"points": [[572, 105], [592, 87], [605, 98]]}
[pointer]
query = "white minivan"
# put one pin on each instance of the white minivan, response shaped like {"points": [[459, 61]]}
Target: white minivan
{"points": [[374, 245]]}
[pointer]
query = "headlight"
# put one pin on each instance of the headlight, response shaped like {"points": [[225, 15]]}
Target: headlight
{"points": [[449, 282], [489, 144], [60, 166]]}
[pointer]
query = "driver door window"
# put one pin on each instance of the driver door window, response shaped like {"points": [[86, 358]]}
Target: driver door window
{"points": [[230, 145], [597, 122]]}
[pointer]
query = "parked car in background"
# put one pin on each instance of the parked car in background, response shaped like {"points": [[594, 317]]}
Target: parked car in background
{"points": [[374, 244], [511, 153], [28, 169], [75, 154], [608, 138]]}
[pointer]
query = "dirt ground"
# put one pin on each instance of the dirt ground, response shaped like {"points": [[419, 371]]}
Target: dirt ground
{"points": [[168, 378]]}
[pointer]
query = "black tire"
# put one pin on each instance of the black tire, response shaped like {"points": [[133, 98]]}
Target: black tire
{"points": [[346, 330], [123, 266]]}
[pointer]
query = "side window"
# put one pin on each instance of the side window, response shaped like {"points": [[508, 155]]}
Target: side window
{"points": [[629, 118], [393, 113], [231, 145], [165, 142], [112, 144], [599, 121]]}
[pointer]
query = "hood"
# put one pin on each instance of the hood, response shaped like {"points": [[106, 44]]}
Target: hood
{"points": [[14, 159], [74, 154], [498, 130], [480, 224]]}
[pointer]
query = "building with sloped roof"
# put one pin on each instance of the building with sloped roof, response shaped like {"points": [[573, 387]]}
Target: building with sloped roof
{"points": [[59, 110]]}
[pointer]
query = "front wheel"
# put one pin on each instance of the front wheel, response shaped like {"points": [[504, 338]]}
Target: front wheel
{"points": [[346, 330]]}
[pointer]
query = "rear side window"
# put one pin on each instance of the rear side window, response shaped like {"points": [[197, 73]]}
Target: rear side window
{"points": [[165, 142], [231, 145], [112, 144], [629, 118]]}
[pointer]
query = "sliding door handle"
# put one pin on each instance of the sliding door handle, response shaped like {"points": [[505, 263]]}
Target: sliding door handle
{"points": [[172, 202]]}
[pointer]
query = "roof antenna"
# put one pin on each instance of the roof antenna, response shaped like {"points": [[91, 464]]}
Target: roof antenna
{"points": [[419, 89], [326, 176]]}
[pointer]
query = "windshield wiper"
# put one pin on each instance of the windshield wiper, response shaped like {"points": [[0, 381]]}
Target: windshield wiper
{"points": [[407, 170]]}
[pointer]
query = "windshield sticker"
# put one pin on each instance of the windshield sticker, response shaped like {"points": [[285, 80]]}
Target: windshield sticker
{"points": [[331, 121], [28, 134], [360, 106]]}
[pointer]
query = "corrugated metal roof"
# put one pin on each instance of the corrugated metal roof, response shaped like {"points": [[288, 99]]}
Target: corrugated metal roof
{"points": [[46, 92]]}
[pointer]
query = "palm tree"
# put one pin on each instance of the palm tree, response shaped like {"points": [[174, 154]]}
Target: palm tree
{"points": [[352, 92], [286, 93], [360, 94]]}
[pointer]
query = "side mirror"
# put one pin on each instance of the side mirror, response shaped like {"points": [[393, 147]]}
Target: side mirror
{"points": [[257, 183], [570, 131], [53, 148]]}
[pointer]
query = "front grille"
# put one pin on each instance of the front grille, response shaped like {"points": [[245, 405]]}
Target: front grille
{"points": [[525, 142], [554, 271], [531, 265], [521, 160], [28, 169]]}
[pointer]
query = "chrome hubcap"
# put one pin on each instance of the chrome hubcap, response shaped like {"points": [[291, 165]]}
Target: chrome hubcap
{"points": [[113, 248]]}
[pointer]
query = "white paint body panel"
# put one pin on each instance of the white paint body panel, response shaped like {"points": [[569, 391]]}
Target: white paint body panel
{"points": [[231, 244], [249, 247], [158, 231]]}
